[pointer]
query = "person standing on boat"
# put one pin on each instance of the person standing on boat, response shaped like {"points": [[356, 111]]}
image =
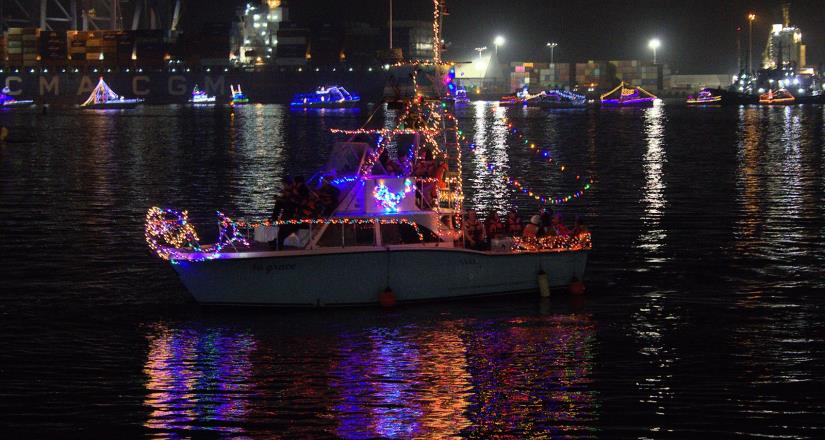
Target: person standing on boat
{"points": [[514, 226], [328, 196], [494, 226], [284, 208], [546, 215], [473, 230], [531, 231]]}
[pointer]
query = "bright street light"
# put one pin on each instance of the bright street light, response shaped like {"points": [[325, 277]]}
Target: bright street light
{"points": [[552, 46], [498, 41], [751, 18], [654, 44]]}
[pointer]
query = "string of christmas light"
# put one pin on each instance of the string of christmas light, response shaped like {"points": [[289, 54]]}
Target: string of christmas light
{"points": [[171, 236], [544, 153], [521, 188], [378, 131], [436, 31], [572, 242]]}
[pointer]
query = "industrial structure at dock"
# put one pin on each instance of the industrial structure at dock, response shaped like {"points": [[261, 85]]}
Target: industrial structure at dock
{"points": [[53, 51]]}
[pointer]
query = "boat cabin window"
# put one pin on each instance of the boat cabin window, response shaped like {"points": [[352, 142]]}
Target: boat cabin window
{"points": [[348, 235], [405, 234]]}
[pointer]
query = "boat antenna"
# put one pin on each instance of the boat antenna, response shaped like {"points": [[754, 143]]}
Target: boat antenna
{"points": [[390, 24]]}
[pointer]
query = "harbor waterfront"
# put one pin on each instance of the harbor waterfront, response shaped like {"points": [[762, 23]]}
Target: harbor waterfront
{"points": [[703, 313]]}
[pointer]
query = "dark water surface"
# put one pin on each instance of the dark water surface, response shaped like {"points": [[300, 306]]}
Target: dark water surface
{"points": [[704, 317]]}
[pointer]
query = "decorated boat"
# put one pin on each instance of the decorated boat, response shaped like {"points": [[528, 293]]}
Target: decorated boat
{"points": [[519, 98], [623, 96], [781, 97], [461, 96], [383, 230], [103, 97], [8, 101], [326, 97], [557, 99], [201, 97], [706, 97], [238, 96]]}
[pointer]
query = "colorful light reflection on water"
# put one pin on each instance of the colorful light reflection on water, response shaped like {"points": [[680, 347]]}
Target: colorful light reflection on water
{"points": [[479, 378]]}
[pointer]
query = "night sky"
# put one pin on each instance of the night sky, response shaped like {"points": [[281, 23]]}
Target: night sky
{"points": [[698, 36]]}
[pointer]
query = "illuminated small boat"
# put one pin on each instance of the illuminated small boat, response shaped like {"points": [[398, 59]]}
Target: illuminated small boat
{"points": [[461, 96], [103, 97], [238, 96], [326, 97], [517, 99], [557, 99], [779, 97], [390, 235], [200, 97], [705, 97], [622, 96], [8, 101]]}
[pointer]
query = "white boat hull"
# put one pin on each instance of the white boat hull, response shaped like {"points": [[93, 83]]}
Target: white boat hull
{"points": [[341, 277]]}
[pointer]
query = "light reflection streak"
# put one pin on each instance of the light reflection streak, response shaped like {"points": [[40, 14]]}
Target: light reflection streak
{"points": [[487, 193], [198, 380], [532, 378], [748, 183], [260, 158], [653, 197]]}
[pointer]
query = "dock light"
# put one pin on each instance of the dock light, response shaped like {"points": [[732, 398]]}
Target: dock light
{"points": [[653, 45], [498, 41]]}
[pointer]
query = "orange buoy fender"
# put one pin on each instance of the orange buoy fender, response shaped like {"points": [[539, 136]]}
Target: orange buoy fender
{"points": [[386, 298], [576, 286]]}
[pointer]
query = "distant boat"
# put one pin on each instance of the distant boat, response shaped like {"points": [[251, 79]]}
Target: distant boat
{"points": [[623, 96], [517, 99], [705, 97], [200, 97], [103, 97], [237, 96], [781, 96], [326, 97], [461, 96], [557, 99], [8, 101]]}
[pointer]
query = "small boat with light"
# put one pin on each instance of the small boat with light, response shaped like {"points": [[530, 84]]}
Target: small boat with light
{"points": [[557, 98], [517, 99], [705, 96], [103, 98], [8, 101], [392, 233], [623, 96], [779, 97], [238, 97], [326, 97], [200, 97], [461, 96]]}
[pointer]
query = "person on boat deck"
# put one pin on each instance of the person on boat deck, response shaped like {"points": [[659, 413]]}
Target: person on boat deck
{"points": [[390, 165], [304, 198], [514, 226], [558, 226], [473, 230], [494, 226], [532, 229], [579, 227], [328, 196], [439, 173], [284, 208], [546, 215]]}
